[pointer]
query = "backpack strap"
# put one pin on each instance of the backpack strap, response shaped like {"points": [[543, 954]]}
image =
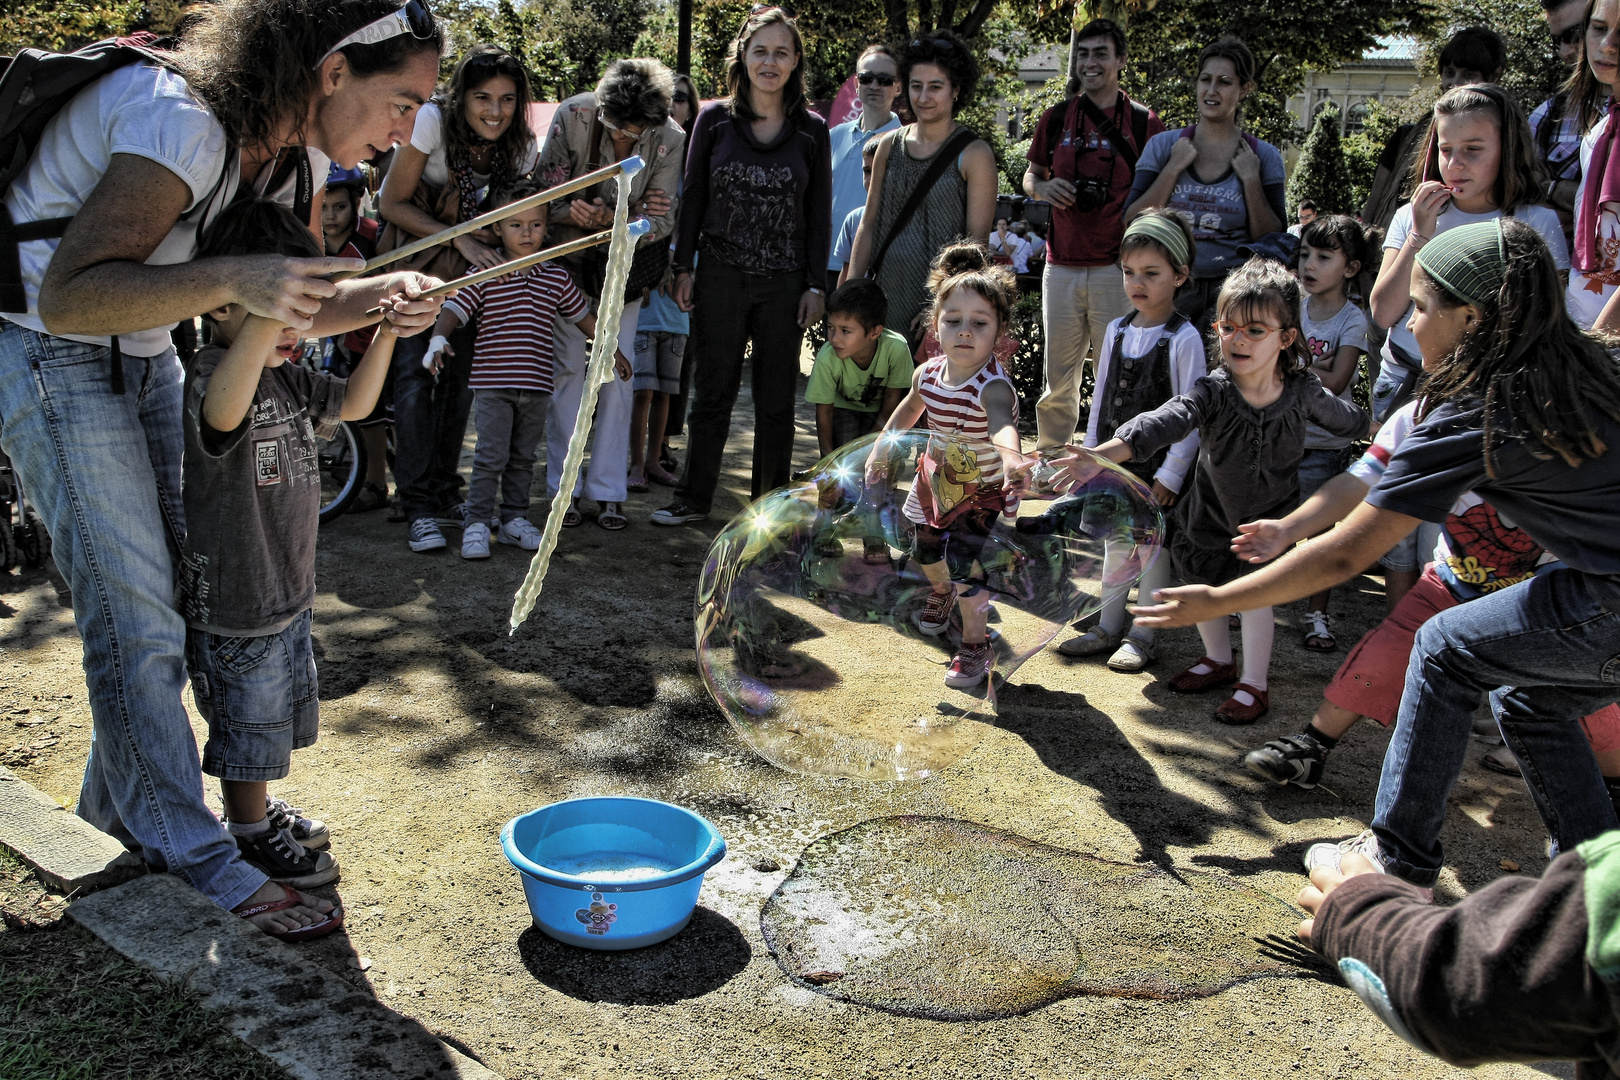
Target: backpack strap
{"points": [[1139, 123], [1105, 126], [958, 142]]}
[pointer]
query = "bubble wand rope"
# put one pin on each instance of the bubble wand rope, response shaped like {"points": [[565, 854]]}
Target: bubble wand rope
{"points": [[597, 371]]}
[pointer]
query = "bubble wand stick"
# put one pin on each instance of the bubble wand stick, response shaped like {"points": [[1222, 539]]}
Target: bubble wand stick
{"points": [[597, 372]]}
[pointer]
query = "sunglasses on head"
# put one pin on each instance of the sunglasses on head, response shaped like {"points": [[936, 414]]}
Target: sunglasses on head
{"points": [[867, 78], [940, 42], [762, 9], [1571, 36], [413, 18]]}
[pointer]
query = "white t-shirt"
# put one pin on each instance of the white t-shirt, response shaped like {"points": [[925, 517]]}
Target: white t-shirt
{"points": [[1586, 296], [1539, 218], [150, 112], [1187, 366], [1015, 247], [428, 137], [1347, 326]]}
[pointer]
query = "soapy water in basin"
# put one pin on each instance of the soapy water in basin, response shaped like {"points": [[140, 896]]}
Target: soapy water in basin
{"points": [[609, 866]]}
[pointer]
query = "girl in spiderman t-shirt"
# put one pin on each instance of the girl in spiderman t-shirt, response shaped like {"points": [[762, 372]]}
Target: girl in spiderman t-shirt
{"points": [[1478, 552]]}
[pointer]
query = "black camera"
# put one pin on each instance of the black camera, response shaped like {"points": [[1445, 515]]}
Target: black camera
{"points": [[1090, 194]]}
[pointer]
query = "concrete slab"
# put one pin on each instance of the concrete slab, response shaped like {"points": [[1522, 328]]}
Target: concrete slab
{"points": [[304, 1018], [69, 854]]}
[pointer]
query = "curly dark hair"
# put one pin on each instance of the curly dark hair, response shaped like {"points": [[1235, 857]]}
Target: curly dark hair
{"points": [[481, 64], [1543, 387], [741, 104], [636, 91], [256, 63], [967, 265], [951, 55]]}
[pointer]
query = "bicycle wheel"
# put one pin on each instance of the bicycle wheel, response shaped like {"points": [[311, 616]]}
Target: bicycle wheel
{"points": [[343, 469]]}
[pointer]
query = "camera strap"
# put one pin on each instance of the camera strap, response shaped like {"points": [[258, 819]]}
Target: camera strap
{"points": [[1105, 126]]}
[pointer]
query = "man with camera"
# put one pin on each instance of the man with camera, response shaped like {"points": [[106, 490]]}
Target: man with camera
{"points": [[1081, 160]]}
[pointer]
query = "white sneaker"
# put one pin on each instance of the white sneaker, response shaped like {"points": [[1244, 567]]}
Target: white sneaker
{"points": [[520, 532], [475, 541], [1366, 845]]}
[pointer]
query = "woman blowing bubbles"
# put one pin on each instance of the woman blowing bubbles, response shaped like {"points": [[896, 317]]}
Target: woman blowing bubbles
{"points": [[1527, 420]]}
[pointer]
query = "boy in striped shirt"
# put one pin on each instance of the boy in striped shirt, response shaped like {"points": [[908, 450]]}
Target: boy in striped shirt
{"points": [[511, 374]]}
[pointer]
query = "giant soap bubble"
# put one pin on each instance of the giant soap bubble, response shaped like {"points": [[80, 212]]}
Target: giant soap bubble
{"points": [[808, 605]]}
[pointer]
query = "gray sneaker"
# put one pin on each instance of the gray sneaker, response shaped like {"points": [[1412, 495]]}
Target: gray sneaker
{"points": [[425, 535], [1091, 643], [1365, 844], [309, 832], [676, 513], [1132, 655], [520, 532], [475, 541]]}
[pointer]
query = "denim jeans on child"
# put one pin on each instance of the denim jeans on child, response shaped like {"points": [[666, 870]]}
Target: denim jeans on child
{"points": [[103, 470], [1548, 654], [430, 423], [511, 424], [260, 698]]}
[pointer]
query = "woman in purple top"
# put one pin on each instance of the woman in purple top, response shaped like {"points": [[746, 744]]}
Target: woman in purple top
{"points": [[757, 202]]}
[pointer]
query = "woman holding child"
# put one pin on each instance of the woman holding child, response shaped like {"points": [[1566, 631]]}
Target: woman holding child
{"points": [[627, 114], [1226, 184], [471, 138], [758, 193], [90, 390]]}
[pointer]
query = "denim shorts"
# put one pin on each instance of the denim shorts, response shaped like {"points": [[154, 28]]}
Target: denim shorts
{"points": [[259, 696], [1317, 467], [657, 363], [1414, 550]]}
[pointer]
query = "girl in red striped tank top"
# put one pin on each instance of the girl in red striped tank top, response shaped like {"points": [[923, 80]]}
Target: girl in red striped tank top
{"points": [[969, 474]]}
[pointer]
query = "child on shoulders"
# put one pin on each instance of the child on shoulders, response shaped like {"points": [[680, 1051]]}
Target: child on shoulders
{"points": [[252, 492], [511, 375], [1147, 357], [1332, 251]]}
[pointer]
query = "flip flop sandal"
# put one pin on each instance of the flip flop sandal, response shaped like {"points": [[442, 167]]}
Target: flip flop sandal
{"points": [[611, 518], [1319, 632], [333, 920], [637, 484], [572, 517], [658, 475]]}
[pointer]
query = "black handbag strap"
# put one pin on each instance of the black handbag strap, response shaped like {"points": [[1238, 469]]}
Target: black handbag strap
{"points": [[959, 141]]}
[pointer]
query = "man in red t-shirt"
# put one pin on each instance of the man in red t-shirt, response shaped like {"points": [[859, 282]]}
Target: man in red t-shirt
{"points": [[1081, 160]]}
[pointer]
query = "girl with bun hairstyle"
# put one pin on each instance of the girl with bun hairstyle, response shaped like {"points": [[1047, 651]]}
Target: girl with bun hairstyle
{"points": [[965, 394]]}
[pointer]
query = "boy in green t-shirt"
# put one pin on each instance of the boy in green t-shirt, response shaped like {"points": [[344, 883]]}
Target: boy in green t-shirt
{"points": [[862, 372]]}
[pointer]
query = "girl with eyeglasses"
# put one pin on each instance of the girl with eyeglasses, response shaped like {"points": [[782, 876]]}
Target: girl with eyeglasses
{"points": [[758, 195], [473, 136], [877, 75], [1250, 415], [261, 97], [1476, 163]]}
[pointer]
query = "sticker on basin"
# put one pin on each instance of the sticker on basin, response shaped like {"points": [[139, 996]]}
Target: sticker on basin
{"points": [[599, 917]]}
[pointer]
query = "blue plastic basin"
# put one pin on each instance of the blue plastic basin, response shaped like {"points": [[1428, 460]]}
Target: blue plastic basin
{"points": [[611, 873]]}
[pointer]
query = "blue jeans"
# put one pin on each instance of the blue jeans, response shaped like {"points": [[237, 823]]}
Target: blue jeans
{"points": [[1548, 654], [103, 470], [259, 696]]}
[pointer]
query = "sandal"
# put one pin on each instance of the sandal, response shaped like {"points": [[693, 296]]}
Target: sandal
{"points": [[333, 920], [1319, 632], [1501, 760], [659, 475], [1233, 711], [1190, 683], [370, 497], [637, 484], [572, 516], [612, 517]]}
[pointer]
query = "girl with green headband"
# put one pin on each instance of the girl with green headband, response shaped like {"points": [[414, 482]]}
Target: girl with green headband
{"points": [[1146, 358]]}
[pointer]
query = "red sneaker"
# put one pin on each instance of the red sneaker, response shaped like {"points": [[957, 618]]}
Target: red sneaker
{"points": [[970, 667], [936, 613]]}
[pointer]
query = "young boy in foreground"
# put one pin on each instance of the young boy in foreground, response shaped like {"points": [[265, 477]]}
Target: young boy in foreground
{"points": [[247, 579], [862, 372]]}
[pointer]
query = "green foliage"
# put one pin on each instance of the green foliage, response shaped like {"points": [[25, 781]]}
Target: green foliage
{"points": [[1533, 69], [1319, 175], [1287, 37], [64, 24], [564, 44], [1361, 151]]}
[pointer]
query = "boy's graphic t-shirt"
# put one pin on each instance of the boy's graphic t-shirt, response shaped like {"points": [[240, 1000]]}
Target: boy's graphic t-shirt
{"points": [[1325, 339], [844, 384], [1479, 550], [253, 500]]}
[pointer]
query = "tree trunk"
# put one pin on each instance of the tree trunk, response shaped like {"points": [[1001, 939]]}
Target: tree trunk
{"points": [[899, 22], [974, 21]]}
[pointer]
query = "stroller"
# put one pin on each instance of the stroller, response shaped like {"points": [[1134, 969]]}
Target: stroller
{"points": [[23, 538]]}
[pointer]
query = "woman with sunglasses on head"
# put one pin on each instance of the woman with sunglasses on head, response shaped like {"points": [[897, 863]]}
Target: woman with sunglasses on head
{"points": [[913, 207], [143, 161], [627, 114], [1224, 182], [473, 137], [758, 195], [877, 74]]}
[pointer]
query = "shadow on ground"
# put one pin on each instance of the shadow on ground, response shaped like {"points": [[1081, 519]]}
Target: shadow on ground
{"points": [[697, 961]]}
